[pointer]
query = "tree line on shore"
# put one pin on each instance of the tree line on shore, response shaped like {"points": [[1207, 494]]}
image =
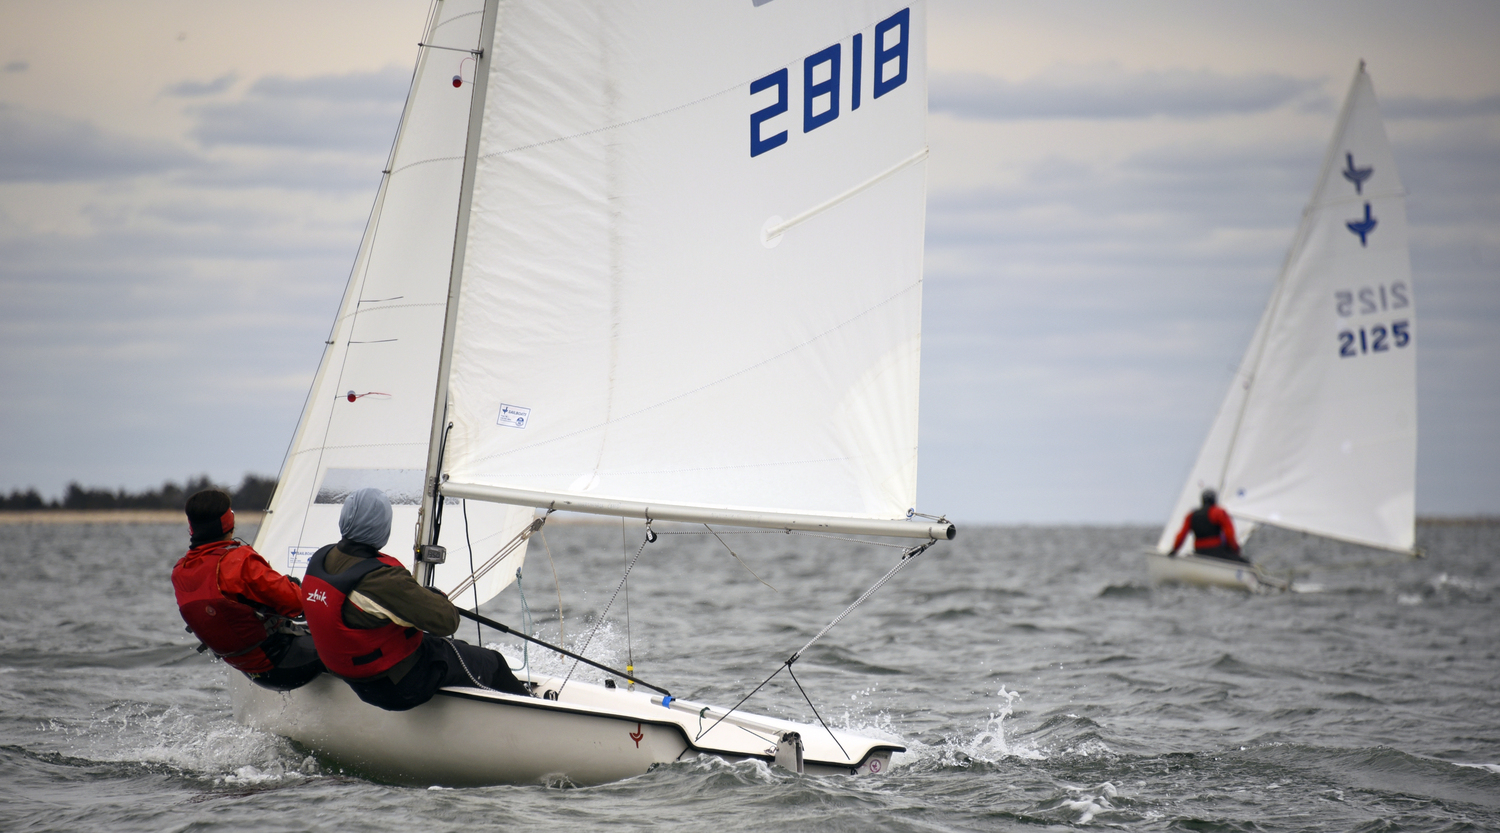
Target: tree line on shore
{"points": [[253, 494]]}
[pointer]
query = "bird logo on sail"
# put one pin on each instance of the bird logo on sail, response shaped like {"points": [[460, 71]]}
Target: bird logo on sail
{"points": [[1356, 175], [1363, 227]]}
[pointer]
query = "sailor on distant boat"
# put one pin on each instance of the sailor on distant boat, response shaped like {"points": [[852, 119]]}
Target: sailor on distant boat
{"points": [[1213, 531], [237, 605], [380, 630]]}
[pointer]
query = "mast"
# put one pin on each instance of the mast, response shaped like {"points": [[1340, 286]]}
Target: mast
{"points": [[427, 529]]}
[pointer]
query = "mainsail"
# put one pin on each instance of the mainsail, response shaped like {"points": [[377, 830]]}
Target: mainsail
{"points": [[691, 286], [367, 417], [1318, 432]]}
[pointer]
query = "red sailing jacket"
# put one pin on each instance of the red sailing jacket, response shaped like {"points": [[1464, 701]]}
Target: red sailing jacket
{"points": [[1211, 530], [216, 584], [351, 653]]}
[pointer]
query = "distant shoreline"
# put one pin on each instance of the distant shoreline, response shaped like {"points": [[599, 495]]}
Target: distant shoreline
{"points": [[109, 516], [163, 516]]}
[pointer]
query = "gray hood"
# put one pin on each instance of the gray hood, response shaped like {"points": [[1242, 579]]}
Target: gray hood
{"points": [[366, 517]]}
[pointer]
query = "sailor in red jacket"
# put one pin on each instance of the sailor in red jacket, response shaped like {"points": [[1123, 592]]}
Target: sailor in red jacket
{"points": [[385, 634], [238, 606], [1213, 531]]}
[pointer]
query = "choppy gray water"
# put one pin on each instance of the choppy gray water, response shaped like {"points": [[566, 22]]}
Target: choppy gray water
{"points": [[1036, 678]]}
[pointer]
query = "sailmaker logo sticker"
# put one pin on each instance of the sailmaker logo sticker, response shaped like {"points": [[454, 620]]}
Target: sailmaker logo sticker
{"points": [[513, 415]]}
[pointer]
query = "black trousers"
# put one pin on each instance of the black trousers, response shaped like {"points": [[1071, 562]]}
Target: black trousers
{"points": [[1222, 552], [440, 662], [296, 661]]}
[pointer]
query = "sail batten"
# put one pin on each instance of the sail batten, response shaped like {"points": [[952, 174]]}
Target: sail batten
{"points": [[780, 228]]}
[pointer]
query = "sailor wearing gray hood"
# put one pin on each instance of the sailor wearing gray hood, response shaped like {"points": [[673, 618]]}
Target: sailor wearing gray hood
{"points": [[381, 631]]}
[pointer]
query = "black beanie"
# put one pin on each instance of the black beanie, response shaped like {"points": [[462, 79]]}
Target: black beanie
{"points": [[209, 516]]}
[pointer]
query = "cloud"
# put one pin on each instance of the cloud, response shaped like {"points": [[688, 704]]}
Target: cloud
{"points": [[1452, 177], [1175, 207], [1440, 109], [194, 89], [17, 66], [325, 172], [354, 112], [1108, 92], [40, 147]]}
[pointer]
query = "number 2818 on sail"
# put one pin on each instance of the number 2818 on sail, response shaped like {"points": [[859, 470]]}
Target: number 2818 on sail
{"points": [[823, 81]]}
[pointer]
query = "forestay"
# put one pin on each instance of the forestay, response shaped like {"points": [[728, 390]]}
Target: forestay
{"points": [[384, 347], [1318, 431], [693, 267]]}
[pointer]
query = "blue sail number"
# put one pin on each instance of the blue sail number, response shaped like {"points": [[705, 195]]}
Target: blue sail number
{"points": [[820, 98]]}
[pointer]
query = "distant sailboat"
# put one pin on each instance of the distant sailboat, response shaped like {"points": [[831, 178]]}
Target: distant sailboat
{"points": [[658, 261], [1318, 432]]}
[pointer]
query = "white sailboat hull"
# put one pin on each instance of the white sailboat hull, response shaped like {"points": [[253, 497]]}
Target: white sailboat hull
{"points": [[468, 737], [1201, 571]]}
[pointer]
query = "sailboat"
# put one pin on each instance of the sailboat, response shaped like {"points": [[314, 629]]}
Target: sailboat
{"points": [[655, 261], [1318, 432]]}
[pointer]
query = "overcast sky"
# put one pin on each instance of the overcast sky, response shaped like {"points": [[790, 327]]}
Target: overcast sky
{"points": [[1114, 185]]}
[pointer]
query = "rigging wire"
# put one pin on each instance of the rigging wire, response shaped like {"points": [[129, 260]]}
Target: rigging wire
{"points": [[556, 585], [650, 537], [815, 712], [629, 647], [741, 560], [907, 557], [526, 625]]}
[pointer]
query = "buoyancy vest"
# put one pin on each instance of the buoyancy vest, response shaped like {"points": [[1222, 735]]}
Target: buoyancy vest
{"points": [[230, 628], [1207, 533], [351, 653]]}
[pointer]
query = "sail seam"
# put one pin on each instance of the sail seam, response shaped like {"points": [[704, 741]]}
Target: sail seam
{"points": [[356, 445], [638, 472], [616, 126], [768, 360]]}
